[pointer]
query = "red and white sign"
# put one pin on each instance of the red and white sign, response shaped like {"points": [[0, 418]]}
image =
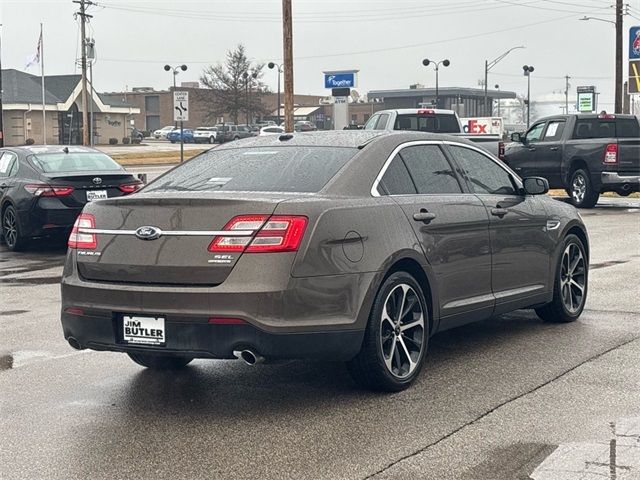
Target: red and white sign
{"points": [[482, 125]]}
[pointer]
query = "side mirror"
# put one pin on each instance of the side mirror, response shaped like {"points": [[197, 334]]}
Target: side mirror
{"points": [[535, 185], [517, 137]]}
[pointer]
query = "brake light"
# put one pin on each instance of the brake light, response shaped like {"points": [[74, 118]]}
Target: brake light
{"points": [[44, 190], [426, 112], [606, 115], [130, 187], [501, 150], [279, 233], [226, 321], [85, 241], [611, 153]]}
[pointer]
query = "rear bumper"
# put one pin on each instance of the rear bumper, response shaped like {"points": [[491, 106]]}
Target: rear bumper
{"points": [[196, 338], [615, 181], [48, 216]]}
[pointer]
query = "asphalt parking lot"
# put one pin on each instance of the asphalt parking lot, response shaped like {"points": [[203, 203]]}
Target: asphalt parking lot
{"points": [[508, 398]]}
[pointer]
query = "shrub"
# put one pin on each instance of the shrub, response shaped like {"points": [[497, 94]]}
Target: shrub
{"points": [[126, 140], [30, 141], [113, 141]]}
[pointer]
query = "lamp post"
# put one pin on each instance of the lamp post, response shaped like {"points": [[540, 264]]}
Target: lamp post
{"points": [[618, 54], [488, 66], [528, 69], [497, 87], [271, 66], [177, 70], [445, 63]]}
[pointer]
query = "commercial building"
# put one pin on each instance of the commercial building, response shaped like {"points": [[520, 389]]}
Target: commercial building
{"points": [[22, 111]]}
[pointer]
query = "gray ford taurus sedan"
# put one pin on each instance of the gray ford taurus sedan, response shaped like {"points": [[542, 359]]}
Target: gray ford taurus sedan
{"points": [[355, 246]]}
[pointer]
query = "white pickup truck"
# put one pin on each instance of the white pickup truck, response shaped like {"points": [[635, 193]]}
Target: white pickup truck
{"points": [[431, 120]]}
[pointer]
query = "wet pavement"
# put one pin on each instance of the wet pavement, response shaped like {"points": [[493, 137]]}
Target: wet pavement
{"points": [[509, 398]]}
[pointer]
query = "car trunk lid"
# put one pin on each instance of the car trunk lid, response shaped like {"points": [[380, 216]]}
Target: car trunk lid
{"points": [[90, 186]]}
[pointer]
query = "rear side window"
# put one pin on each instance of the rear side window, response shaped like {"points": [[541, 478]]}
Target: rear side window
{"points": [[276, 169], [382, 121], [594, 128], [396, 180], [73, 162], [628, 128], [434, 123], [554, 131]]}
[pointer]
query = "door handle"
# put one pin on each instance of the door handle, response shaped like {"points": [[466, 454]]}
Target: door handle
{"points": [[424, 216], [553, 149], [499, 212]]}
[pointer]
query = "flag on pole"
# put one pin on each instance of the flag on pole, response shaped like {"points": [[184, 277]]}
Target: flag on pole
{"points": [[35, 58]]}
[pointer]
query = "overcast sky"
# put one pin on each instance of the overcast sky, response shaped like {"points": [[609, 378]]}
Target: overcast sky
{"points": [[386, 40]]}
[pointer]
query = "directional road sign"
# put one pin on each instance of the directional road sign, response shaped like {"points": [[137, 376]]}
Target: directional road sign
{"points": [[181, 106]]}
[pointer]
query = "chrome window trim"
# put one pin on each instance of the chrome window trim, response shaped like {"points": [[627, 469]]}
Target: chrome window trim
{"points": [[174, 233]]}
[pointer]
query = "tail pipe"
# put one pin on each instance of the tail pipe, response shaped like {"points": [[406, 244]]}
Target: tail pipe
{"points": [[248, 356]]}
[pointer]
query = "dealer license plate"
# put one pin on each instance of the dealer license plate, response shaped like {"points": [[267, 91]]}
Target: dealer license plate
{"points": [[143, 330], [96, 195]]}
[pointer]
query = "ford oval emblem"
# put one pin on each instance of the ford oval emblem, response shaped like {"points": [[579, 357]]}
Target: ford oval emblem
{"points": [[148, 233], [97, 180]]}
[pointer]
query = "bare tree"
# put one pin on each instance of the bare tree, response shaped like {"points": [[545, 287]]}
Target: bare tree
{"points": [[236, 87]]}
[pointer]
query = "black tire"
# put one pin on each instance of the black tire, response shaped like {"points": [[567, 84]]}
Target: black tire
{"points": [[557, 311], [159, 362], [236, 138], [370, 367], [13, 238], [581, 190], [212, 140]]}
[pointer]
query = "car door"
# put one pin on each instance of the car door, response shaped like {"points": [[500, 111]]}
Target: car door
{"points": [[548, 154], [8, 170], [451, 226], [520, 248], [522, 157]]}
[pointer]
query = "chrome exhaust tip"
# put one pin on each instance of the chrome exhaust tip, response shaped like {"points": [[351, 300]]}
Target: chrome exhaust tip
{"points": [[248, 356], [74, 343]]}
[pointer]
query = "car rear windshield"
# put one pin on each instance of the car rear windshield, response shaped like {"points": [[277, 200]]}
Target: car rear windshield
{"points": [[74, 162], [267, 169], [606, 128], [438, 123]]}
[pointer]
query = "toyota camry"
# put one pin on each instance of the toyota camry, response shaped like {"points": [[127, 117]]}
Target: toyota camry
{"points": [[356, 246]]}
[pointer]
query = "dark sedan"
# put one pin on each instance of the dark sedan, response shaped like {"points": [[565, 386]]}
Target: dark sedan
{"points": [[355, 246], [44, 188]]}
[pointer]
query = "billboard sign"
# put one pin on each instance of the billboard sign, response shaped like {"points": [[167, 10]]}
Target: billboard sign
{"points": [[340, 79], [634, 43], [586, 99]]}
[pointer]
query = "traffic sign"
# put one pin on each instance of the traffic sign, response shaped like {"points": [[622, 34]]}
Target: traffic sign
{"points": [[181, 106], [634, 77]]}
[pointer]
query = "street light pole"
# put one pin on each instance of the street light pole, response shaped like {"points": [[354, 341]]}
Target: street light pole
{"points": [[488, 66], [497, 88], [272, 66], [446, 63], [528, 69], [177, 70]]}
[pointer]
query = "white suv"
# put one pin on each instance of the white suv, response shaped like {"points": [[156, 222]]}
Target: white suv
{"points": [[205, 135]]}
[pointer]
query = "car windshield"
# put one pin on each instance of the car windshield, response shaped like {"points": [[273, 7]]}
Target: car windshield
{"points": [[438, 123], [267, 169], [74, 162]]}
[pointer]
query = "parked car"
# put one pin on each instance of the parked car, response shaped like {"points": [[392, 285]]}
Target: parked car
{"points": [[205, 134], [311, 246], [430, 120], [186, 135], [44, 188], [136, 134], [245, 131], [164, 131], [271, 130], [304, 126], [233, 132], [584, 154]]}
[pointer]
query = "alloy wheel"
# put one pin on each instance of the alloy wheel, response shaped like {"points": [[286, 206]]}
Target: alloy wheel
{"points": [[402, 333], [578, 188], [572, 278], [10, 229]]}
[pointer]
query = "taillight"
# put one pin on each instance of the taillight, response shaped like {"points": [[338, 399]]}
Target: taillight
{"points": [[85, 241], [279, 233], [130, 187], [426, 112], [501, 150], [611, 153], [44, 190]]}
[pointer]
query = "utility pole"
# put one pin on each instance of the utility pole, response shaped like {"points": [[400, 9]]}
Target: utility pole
{"points": [[566, 94], [83, 20], [1, 126], [619, 27], [287, 44]]}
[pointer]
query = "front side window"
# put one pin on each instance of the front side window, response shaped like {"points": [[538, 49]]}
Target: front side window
{"points": [[483, 174], [371, 123], [535, 133]]}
